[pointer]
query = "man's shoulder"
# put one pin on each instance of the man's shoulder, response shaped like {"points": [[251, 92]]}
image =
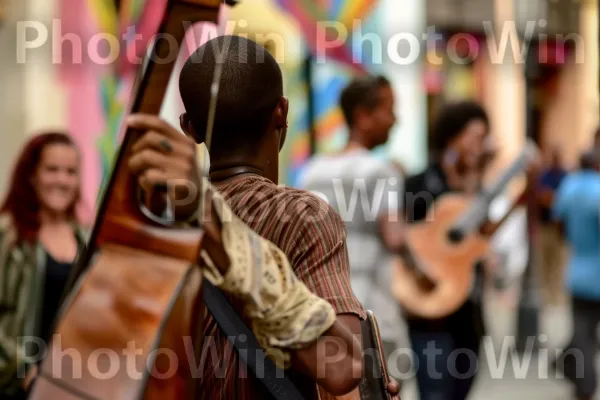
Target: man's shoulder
{"points": [[578, 179], [371, 164], [360, 165], [310, 207], [305, 222]]}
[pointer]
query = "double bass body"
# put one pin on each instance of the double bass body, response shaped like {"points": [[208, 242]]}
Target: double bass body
{"points": [[130, 326]]}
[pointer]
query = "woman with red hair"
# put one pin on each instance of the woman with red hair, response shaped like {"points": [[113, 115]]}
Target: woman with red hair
{"points": [[40, 236]]}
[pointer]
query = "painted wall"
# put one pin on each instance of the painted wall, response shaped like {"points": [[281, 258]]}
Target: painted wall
{"points": [[12, 103], [34, 98], [588, 73], [378, 28], [266, 23]]}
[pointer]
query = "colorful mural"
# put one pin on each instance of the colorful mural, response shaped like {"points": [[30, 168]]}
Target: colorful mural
{"points": [[135, 17], [309, 12], [328, 79], [99, 92], [268, 24], [99, 87], [297, 148]]}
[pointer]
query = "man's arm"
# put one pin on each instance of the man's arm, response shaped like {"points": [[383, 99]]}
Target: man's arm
{"points": [[392, 231], [320, 259], [312, 338], [335, 359], [391, 225]]}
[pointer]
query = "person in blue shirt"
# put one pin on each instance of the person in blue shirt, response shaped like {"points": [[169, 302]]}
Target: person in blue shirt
{"points": [[576, 206]]}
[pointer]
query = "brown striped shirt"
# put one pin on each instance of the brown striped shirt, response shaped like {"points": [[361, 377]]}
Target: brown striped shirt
{"points": [[313, 237]]}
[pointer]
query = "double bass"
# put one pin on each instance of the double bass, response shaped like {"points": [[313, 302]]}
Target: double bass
{"points": [[138, 288], [433, 276]]}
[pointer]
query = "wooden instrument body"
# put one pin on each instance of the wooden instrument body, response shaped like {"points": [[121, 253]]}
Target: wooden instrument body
{"points": [[373, 384], [449, 265], [137, 288]]}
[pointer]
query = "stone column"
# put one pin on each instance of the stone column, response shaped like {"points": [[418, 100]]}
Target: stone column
{"points": [[408, 142]]}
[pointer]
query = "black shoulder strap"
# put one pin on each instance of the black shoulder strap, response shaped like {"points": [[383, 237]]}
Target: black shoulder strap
{"points": [[247, 347]]}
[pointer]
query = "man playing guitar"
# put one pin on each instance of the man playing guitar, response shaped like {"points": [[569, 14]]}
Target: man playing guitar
{"points": [[459, 143]]}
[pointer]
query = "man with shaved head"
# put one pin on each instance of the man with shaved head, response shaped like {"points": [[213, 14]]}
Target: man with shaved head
{"points": [[250, 127], [249, 131]]}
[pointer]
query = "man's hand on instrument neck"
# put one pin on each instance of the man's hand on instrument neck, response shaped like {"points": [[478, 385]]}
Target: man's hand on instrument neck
{"points": [[165, 162]]}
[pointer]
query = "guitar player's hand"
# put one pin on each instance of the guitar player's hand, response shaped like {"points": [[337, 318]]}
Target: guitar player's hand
{"points": [[165, 160]]}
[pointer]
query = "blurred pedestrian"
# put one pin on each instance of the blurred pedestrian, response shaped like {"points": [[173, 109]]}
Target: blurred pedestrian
{"points": [[550, 247], [577, 206]]}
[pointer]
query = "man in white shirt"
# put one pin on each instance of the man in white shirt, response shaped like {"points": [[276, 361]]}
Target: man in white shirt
{"points": [[366, 191]]}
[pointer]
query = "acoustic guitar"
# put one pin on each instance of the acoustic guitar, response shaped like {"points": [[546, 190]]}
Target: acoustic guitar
{"points": [[435, 273]]}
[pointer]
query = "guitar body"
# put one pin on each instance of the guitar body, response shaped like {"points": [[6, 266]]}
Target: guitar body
{"points": [[449, 265]]}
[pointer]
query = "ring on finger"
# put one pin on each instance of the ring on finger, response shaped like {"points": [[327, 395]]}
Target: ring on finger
{"points": [[166, 146]]}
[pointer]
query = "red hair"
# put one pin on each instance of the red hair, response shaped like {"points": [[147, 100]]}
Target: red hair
{"points": [[22, 202]]}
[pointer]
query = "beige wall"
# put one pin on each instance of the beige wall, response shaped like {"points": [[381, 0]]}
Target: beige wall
{"points": [[30, 97], [45, 100], [572, 112], [562, 123], [588, 78], [504, 96], [12, 118]]}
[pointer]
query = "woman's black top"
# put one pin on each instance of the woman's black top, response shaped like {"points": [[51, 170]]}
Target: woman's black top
{"points": [[57, 274]]}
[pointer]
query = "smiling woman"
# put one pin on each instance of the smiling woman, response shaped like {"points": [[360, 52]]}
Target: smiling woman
{"points": [[39, 238]]}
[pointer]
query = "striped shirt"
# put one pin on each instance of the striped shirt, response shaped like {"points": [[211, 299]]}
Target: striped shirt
{"points": [[313, 238]]}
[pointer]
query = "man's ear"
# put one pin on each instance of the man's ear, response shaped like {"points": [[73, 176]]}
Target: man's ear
{"points": [[281, 119], [281, 112], [188, 128]]}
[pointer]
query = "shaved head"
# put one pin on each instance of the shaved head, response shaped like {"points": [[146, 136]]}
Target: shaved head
{"points": [[251, 86]]}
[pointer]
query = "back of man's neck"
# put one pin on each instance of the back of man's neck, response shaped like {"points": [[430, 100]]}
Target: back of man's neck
{"points": [[227, 171]]}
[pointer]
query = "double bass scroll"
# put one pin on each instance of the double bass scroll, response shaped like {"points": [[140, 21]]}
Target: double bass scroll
{"points": [[135, 291]]}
